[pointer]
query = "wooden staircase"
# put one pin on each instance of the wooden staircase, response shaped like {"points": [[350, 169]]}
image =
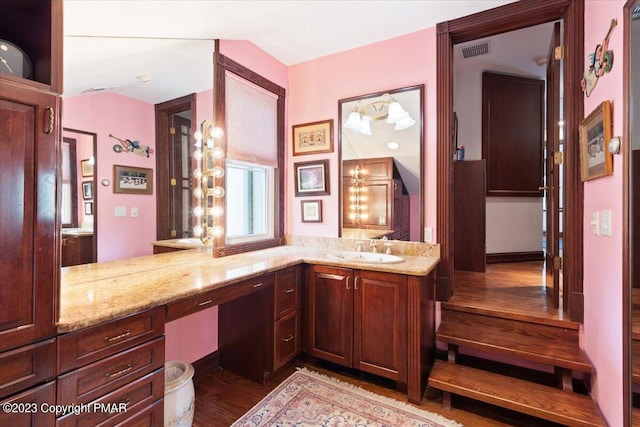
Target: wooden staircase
{"points": [[537, 342]]}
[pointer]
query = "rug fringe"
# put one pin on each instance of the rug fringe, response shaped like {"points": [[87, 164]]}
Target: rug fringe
{"points": [[406, 406]]}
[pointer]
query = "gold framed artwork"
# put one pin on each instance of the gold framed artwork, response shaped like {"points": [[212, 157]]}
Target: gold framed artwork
{"points": [[313, 138], [595, 133], [86, 167], [131, 180]]}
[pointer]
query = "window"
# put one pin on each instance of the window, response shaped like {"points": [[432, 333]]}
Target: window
{"points": [[249, 200]]}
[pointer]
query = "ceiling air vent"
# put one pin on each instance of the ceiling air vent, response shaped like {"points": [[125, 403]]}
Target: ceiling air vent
{"points": [[475, 49], [635, 13]]}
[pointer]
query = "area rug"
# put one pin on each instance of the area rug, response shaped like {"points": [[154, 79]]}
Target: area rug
{"points": [[308, 398]]}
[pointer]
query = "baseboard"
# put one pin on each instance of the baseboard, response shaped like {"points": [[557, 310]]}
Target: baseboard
{"points": [[205, 365], [499, 258]]}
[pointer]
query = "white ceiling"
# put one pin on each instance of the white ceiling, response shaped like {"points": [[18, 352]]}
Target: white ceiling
{"points": [[108, 44]]}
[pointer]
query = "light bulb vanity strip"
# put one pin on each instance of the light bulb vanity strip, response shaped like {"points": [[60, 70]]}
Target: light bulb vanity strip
{"points": [[209, 183]]}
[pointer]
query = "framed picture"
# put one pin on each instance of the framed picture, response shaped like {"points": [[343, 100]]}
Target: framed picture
{"points": [[312, 178], [313, 138], [87, 190], [311, 210], [130, 180], [595, 133], [88, 208], [87, 168]]}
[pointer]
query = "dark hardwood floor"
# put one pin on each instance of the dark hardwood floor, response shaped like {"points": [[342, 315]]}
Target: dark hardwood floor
{"points": [[222, 397]]}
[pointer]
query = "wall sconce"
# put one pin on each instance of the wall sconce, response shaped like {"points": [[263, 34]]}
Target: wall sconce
{"points": [[357, 198], [359, 120], [209, 185]]}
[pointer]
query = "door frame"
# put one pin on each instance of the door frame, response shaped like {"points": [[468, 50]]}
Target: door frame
{"points": [[514, 16], [163, 181]]}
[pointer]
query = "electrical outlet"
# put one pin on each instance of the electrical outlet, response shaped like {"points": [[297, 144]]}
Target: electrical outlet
{"points": [[428, 234], [595, 223], [121, 211], [605, 223], [134, 212]]}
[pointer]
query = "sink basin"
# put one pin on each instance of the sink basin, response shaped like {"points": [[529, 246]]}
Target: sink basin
{"points": [[366, 257]]}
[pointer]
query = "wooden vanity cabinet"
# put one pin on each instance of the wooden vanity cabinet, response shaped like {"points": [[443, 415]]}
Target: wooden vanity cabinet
{"points": [[30, 139], [287, 326], [358, 319], [77, 249], [120, 362]]}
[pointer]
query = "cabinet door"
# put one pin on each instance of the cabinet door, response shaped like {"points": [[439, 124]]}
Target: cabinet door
{"points": [[380, 324], [330, 314], [28, 243], [378, 205]]}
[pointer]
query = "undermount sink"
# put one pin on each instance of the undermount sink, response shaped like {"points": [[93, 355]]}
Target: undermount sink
{"points": [[366, 257]]}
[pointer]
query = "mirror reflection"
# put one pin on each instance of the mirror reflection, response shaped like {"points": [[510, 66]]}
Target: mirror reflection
{"points": [[381, 151], [78, 198]]}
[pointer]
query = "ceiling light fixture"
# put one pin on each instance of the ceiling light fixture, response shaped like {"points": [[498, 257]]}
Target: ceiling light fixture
{"points": [[359, 120]]}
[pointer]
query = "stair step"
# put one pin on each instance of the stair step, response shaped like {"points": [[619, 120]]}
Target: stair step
{"points": [[540, 401], [550, 345]]}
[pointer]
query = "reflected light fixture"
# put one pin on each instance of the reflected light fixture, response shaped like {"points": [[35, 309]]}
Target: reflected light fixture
{"points": [[208, 189], [359, 120]]}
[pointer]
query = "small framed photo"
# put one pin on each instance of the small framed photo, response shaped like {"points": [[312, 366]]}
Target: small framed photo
{"points": [[87, 190], [312, 178], [88, 208], [311, 210], [313, 138], [595, 133], [130, 180], [87, 168]]}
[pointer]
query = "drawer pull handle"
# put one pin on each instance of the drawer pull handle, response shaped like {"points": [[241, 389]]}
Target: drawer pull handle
{"points": [[118, 337], [256, 285], [120, 372], [347, 285], [126, 402], [205, 302], [355, 283], [287, 339], [288, 291], [52, 120]]}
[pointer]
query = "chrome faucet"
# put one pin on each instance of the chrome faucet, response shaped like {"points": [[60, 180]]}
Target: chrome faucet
{"points": [[372, 245]]}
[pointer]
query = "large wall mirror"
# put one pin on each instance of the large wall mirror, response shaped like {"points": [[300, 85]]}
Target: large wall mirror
{"points": [[381, 164]]}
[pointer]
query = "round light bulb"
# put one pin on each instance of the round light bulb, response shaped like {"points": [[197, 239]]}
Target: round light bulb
{"points": [[198, 135], [197, 230], [217, 172], [217, 153], [218, 192], [197, 174], [197, 192], [197, 154], [197, 211], [218, 231], [216, 211], [217, 132]]}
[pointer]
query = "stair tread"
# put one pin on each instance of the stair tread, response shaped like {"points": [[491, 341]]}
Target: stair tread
{"points": [[534, 342], [540, 401]]}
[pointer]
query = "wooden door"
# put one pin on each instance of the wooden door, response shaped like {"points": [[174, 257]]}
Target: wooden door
{"points": [[380, 324], [330, 314], [28, 241], [552, 175]]}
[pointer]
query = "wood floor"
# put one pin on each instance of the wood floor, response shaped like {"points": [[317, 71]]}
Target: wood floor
{"points": [[222, 397]]}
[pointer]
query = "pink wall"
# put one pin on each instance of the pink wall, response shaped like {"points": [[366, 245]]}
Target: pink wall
{"points": [[104, 114], [602, 330], [316, 86]]}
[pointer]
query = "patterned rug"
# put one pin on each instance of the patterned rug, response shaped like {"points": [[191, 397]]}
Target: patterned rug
{"points": [[308, 398]]}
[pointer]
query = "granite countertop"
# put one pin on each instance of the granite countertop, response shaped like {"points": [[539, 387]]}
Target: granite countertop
{"points": [[190, 243], [363, 233], [77, 231], [94, 293]]}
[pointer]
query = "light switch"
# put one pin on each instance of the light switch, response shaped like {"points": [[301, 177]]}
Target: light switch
{"points": [[605, 223], [428, 234], [121, 211], [595, 223], [134, 212]]}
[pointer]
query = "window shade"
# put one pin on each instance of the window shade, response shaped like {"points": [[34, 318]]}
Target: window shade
{"points": [[251, 119]]}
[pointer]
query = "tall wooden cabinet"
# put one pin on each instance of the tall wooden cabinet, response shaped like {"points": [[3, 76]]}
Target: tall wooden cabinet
{"points": [[29, 255], [358, 319], [386, 206]]}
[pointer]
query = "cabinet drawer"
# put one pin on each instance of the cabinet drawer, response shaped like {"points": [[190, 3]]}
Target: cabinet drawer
{"points": [[287, 339], [95, 380], [152, 415], [35, 399], [218, 296], [88, 345], [27, 366], [135, 396], [287, 290]]}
